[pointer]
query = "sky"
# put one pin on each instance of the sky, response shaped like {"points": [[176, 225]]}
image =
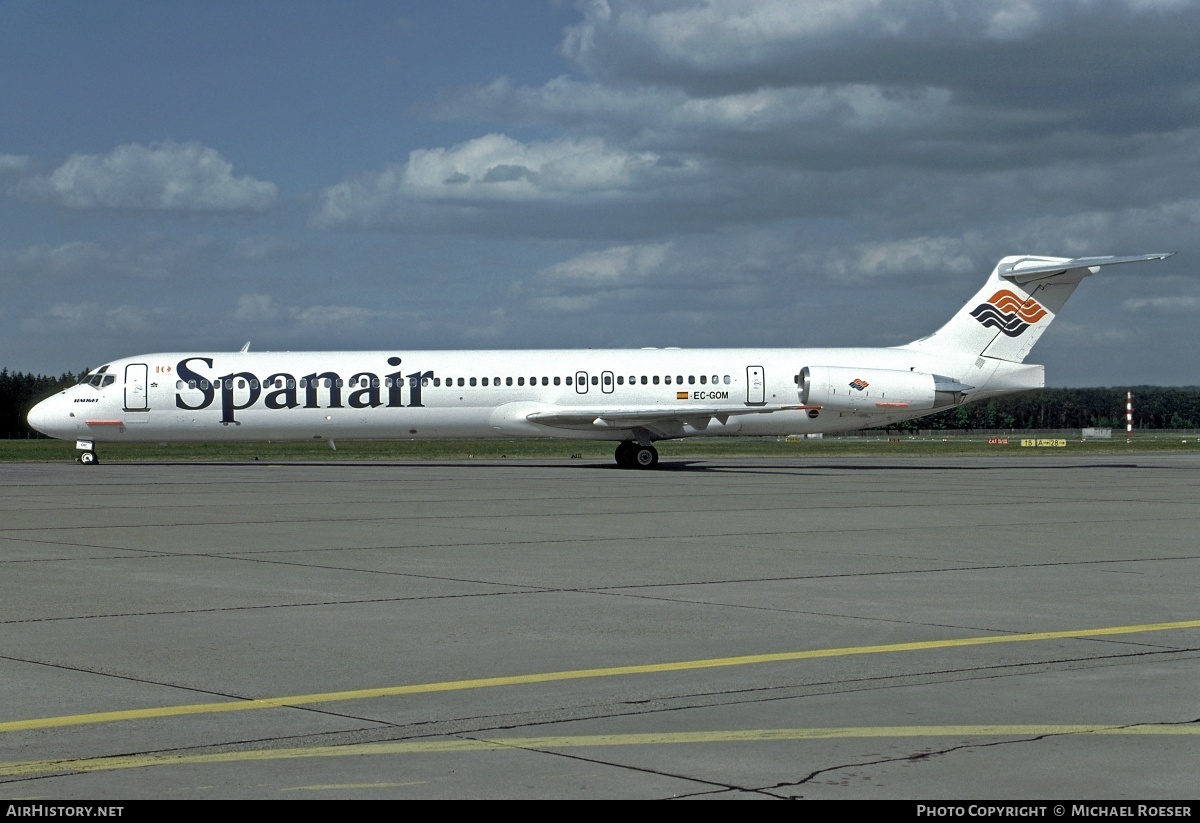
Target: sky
{"points": [[475, 175]]}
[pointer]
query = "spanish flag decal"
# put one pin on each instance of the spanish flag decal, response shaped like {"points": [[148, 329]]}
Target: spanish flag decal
{"points": [[681, 395]]}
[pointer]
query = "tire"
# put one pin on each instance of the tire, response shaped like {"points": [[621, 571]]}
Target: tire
{"points": [[625, 455], [88, 458], [645, 457]]}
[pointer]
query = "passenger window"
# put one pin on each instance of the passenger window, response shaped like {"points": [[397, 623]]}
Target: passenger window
{"points": [[655, 379], [645, 380], [558, 381], [620, 380], [545, 381], [703, 380]]}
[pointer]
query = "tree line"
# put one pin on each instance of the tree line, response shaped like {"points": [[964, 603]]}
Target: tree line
{"points": [[1154, 407], [18, 394]]}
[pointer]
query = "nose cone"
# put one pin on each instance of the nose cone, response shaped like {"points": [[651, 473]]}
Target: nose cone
{"points": [[44, 418]]}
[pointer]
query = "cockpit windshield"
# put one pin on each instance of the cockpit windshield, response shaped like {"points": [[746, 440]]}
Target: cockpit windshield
{"points": [[99, 379]]}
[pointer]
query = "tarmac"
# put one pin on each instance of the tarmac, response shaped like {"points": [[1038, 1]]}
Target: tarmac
{"points": [[909, 629]]}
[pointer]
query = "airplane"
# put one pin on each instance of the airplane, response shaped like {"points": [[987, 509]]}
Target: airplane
{"points": [[634, 397]]}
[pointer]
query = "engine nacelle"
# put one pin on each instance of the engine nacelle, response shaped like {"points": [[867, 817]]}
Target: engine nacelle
{"points": [[838, 388]]}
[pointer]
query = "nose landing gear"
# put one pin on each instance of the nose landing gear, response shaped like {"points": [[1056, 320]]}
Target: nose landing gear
{"points": [[87, 452]]}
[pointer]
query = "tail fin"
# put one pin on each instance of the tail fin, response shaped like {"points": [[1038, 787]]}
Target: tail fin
{"points": [[1016, 304]]}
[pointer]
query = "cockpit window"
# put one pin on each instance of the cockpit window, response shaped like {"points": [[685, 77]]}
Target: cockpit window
{"points": [[99, 379]]}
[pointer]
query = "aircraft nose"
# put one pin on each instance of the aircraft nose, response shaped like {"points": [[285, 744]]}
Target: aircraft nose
{"points": [[41, 417]]}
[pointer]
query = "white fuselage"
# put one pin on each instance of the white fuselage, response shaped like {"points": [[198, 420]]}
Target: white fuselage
{"points": [[248, 396]]}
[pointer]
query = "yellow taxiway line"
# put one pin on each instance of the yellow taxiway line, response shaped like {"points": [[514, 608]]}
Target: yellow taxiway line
{"points": [[97, 764], [573, 674]]}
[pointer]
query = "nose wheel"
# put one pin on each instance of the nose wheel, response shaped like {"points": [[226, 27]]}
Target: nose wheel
{"points": [[632, 455], [88, 458]]}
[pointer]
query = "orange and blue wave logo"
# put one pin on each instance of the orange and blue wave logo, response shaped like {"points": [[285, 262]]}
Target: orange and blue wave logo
{"points": [[858, 384], [1008, 312]]}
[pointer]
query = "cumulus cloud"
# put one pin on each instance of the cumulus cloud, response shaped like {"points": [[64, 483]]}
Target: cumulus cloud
{"points": [[730, 45], [924, 114], [252, 308], [334, 316], [13, 164], [873, 261], [167, 176], [493, 170], [259, 248], [151, 257], [98, 318], [622, 264], [1184, 304], [263, 308]]}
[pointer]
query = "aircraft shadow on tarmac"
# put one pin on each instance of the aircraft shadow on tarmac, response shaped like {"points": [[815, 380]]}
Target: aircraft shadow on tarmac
{"points": [[697, 465]]}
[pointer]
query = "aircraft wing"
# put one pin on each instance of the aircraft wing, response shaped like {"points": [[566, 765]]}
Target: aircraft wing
{"points": [[628, 418]]}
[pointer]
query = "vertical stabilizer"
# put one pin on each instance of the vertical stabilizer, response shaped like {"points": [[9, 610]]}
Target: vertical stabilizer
{"points": [[1016, 305]]}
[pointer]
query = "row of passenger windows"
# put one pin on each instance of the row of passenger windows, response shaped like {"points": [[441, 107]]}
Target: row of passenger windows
{"points": [[595, 380], [375, 382]]}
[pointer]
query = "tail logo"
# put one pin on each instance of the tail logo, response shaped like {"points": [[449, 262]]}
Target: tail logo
{"points": [[1009, 313], [858, 384]]}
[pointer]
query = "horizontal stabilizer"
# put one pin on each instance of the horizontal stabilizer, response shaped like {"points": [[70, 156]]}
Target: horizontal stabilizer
{"points": [[1027, 270]]}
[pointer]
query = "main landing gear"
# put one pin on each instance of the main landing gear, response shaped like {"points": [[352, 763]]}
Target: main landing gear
{"points": [[632, 455]]}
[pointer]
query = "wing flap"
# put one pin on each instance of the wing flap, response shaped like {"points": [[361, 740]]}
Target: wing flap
{"points": [[583, 417]]}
